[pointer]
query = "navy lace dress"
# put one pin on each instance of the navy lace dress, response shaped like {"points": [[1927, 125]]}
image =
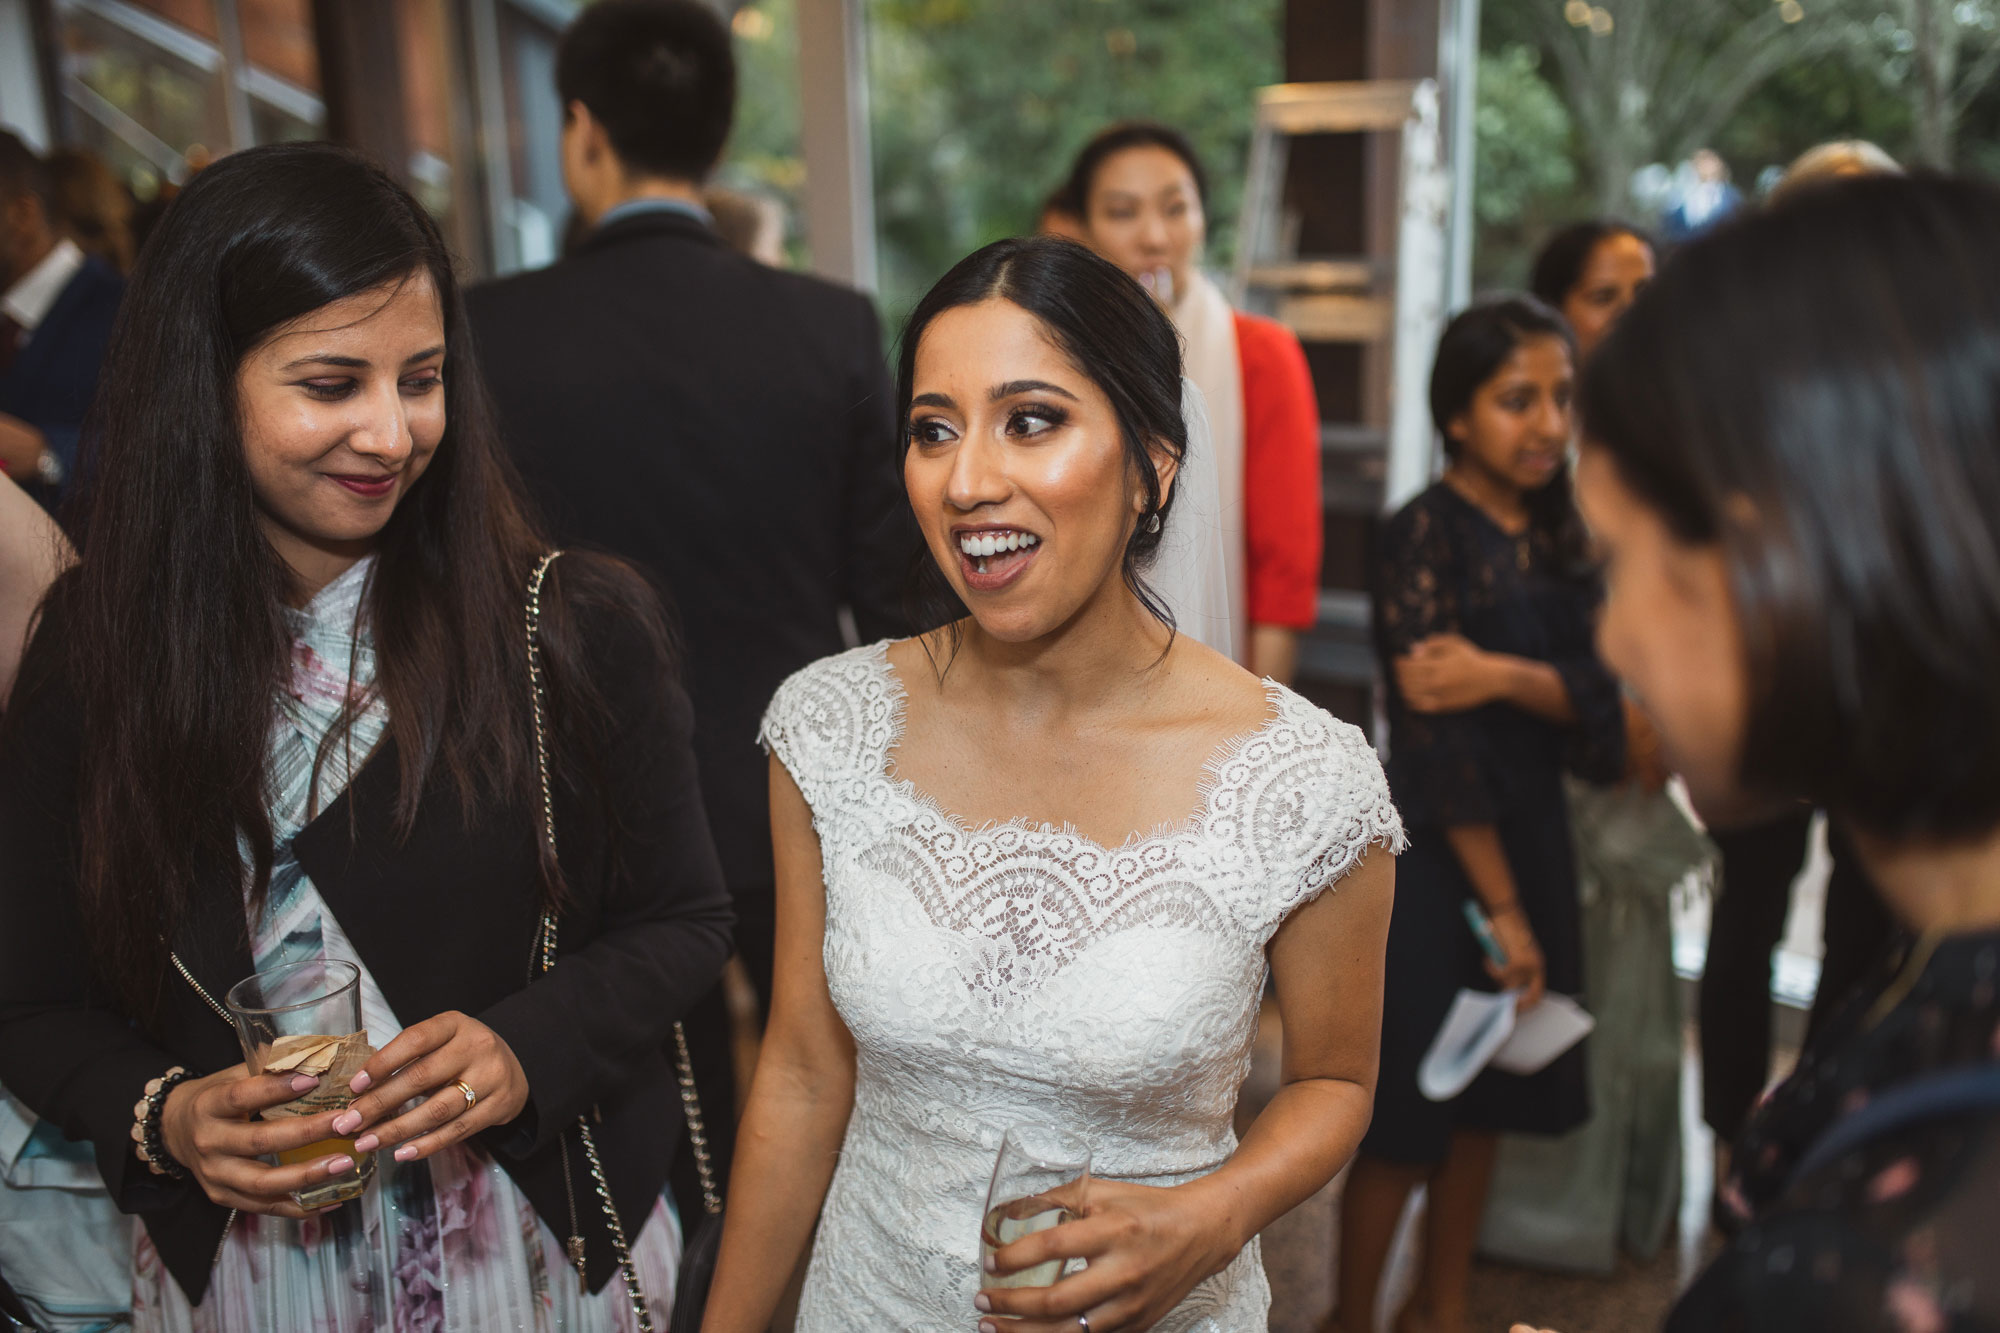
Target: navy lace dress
{"points": [[1444, 566]]}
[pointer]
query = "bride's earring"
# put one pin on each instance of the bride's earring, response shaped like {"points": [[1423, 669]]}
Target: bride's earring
{"points": [[1153, 521]]}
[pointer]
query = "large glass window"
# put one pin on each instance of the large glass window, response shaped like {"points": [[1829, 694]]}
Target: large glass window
{"points": [[539, 206], [977, 107], [763, 157], [161, 87], [280, 70], [513, 44]]}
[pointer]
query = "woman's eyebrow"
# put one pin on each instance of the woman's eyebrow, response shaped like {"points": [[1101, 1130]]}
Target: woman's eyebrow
{"points": [[358, 362], [326, 359], [943, 400], [1013, 387]]}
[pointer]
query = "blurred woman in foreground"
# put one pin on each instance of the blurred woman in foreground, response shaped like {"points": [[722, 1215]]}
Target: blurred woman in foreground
{"points": [[1799, 515]]}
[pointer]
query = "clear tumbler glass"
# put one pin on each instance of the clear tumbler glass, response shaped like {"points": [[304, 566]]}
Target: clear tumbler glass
{"points": [[305, 1018]]}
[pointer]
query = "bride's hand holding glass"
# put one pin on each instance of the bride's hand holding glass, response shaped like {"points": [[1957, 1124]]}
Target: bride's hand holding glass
{"points": [[1147, 1248]]}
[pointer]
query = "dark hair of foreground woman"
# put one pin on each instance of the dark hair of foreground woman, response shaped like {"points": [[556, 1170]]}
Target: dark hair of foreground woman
{"points": [[1818, 392]]}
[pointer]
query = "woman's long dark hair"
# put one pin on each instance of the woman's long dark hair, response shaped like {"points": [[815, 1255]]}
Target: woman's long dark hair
{"points": [[175, 616], [1471, 351], [1112, 332], [1814, 390]]}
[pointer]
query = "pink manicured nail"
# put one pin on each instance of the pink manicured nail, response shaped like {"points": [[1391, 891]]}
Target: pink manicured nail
{"points": [[988, 1326], [304, 1083], [406, 1153], [367, 1143], [982, 1302], [340, 1165], [347, 1122], [360, 1082]]}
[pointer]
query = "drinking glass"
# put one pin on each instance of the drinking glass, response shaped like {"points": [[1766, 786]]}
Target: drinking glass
{"points": [[1039, 1175], [305, 1018]]}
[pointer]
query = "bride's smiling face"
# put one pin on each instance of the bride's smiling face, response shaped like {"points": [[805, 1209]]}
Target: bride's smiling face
{"points": [[1017, 470]]}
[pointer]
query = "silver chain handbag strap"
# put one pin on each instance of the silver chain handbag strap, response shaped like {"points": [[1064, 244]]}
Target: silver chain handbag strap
{"points": [[547, 950]]}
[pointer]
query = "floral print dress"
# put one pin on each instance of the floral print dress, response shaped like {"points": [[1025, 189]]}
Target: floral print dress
{"points": [[443, 1245], [1902, 1233]]}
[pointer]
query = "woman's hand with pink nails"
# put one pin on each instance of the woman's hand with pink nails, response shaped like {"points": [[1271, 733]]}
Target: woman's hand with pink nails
{"points": [[429, 1060], [209, 1126]]}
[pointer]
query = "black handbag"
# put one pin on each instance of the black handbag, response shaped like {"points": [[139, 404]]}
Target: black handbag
{"points": [[697, 1267]]}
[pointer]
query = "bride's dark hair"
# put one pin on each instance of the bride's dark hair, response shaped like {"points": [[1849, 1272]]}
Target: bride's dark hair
{"points": [[174, 624], [1112, 332]]}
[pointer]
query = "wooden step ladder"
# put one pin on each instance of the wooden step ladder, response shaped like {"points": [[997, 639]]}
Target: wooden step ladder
{"points": [[1392, 303]]}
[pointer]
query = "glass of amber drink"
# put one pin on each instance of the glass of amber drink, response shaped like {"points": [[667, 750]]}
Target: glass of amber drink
{"points": [[305, 1018]]}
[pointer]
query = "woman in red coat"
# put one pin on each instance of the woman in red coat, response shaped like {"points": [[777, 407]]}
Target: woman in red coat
{"points": [[1140, 194]]}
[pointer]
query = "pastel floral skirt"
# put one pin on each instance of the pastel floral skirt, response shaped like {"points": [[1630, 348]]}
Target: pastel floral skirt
{"points": [[446, 1245]]}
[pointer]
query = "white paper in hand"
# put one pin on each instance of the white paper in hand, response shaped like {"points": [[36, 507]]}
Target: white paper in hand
{"points": [[1542, 1034], [1478, 1024]]}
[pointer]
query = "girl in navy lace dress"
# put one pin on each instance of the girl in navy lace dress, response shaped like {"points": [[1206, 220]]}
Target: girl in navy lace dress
{"points": [[1483, 603]]}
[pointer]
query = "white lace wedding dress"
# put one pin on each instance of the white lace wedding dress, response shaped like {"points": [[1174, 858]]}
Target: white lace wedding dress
{"points": [[1017, 973]]}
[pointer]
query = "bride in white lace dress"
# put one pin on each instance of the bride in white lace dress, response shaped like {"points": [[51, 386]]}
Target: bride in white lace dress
{"points": [[1033, 868]]}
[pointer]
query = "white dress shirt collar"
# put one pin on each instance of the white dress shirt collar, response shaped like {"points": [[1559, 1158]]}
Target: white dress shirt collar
{"points": [[27, 302]]}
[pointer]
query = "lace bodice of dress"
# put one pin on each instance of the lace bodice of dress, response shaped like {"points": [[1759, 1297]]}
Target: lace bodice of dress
{"points": [[1017, 973]]}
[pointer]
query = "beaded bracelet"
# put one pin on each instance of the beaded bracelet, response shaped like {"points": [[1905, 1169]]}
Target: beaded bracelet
{"points": [[146, 1141]]}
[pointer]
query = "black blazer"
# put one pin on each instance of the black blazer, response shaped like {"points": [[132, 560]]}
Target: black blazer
{"points": [[54, 375], [729, 427], [443, 920]]}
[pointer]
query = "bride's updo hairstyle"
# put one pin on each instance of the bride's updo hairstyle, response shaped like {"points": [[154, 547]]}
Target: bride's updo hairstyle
{"points": [[1112, 332], [1814, 390]]}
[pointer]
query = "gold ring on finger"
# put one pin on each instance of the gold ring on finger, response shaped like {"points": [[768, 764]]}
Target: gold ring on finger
{"points": [[471, 1097]]}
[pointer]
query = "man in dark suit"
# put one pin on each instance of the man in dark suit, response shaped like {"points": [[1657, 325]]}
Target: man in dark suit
{"points": [[56, 310], [728, 426]]}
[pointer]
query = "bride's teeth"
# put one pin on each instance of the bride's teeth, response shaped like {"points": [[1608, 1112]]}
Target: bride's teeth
{"points": [[980, 545]]}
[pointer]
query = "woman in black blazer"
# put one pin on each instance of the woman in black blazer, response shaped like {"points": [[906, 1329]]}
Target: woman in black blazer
{"points": [[282, 710]]}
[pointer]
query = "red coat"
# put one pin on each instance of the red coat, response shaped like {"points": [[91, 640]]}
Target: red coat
{"points": [[1282, 508]]}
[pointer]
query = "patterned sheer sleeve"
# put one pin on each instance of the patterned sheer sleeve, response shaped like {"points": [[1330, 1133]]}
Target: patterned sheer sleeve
{"points": [[826, 723], [1435, 758], [1304, 802]]}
